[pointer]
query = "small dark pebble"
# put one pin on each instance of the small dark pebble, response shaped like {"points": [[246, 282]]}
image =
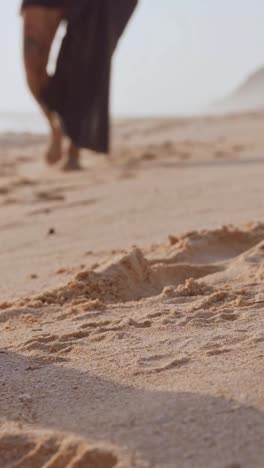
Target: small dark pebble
{"points": [[33, 276], [51, 232]]}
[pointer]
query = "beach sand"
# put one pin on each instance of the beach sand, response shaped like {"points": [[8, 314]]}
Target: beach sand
{"points": [[131, 299]]}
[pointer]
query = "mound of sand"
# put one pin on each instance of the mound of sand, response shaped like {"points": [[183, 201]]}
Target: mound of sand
{"points": [[249, 95], [134, 276]]}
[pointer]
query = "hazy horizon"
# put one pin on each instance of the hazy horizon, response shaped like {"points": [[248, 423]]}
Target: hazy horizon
{"points": [[174, 58]]}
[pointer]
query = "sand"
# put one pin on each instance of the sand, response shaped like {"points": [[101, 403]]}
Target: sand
{"points": [[131, 300]]}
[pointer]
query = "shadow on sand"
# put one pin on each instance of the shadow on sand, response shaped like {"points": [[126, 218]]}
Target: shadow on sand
{"points": [[168, 429]]}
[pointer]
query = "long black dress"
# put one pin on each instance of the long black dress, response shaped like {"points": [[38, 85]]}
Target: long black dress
{"points": [[80, 88]]}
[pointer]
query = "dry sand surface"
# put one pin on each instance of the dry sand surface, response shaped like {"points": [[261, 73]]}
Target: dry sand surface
{"points": [[131, 300]]}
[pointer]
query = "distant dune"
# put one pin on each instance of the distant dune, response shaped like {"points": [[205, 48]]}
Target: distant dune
{"points": [[249, 95]]}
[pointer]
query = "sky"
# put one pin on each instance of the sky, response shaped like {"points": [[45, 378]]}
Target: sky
{"points": [[176, 56]]}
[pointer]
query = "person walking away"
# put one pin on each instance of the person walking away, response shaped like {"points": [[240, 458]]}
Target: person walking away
{"points": [[75, 99]]}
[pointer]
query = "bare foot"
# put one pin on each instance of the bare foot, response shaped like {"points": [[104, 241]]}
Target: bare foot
{"points": [[72, 162], [54, 153]]}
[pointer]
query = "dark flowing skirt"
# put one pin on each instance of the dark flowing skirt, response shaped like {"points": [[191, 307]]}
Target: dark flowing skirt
{"points": [[79, 91]]}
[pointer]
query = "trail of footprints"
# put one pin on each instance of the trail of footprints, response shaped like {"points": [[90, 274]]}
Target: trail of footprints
{"points": [[185, 308], [95, 331], [167, 313]]}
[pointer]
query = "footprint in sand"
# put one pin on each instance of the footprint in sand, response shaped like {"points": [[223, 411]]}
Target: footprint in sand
{"points": [[62, 206], [49, 196], [22, 448], [24, 182], [161, 363], [222, 344], [55, 344], [4, 190]]}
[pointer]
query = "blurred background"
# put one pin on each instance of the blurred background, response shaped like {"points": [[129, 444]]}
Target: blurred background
{"points": [[175, 58]]}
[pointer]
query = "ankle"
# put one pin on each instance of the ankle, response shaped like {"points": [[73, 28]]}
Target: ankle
{"points": [[55, 126], [73, 152]]}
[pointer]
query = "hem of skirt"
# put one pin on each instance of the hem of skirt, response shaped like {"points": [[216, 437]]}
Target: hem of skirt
{"points": [[98, 148]]}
